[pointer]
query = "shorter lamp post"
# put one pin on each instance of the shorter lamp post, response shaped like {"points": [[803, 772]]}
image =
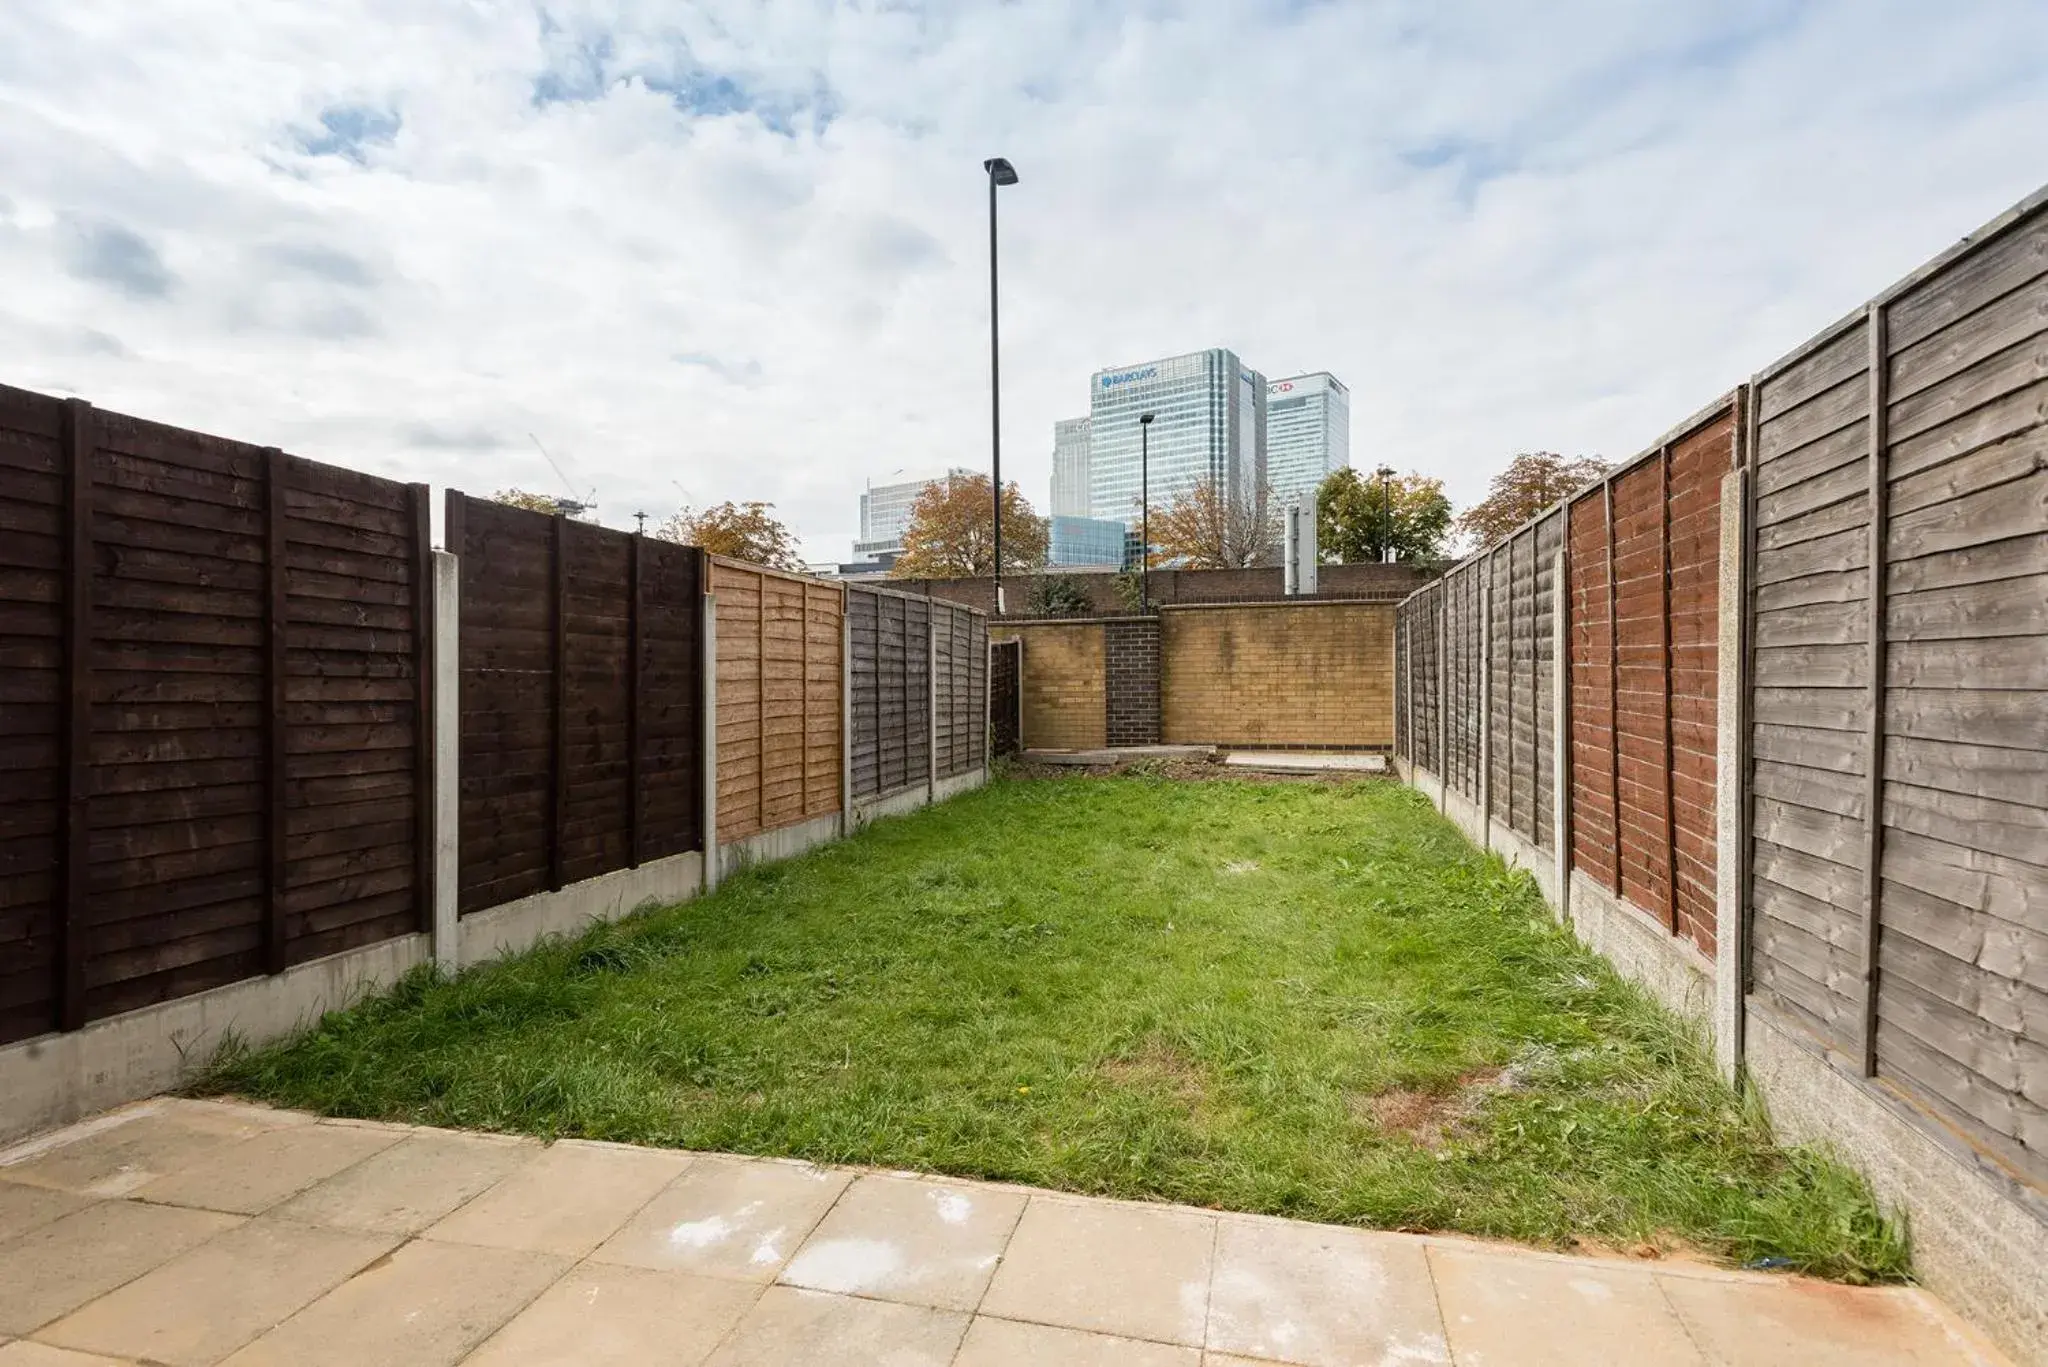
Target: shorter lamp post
{"points": [[1145, 511], [1386, 474]]}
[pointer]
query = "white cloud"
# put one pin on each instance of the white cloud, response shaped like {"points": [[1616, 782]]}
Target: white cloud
{"points": [[739, 247]]}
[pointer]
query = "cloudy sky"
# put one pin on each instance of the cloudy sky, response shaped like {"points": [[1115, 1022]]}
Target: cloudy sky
{"points": [[737, 248]]}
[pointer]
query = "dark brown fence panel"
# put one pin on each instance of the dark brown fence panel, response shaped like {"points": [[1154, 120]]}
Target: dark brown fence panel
{"points": [[1810, 686], [35, 502], [356, 708], [581, 697], [671, 686], [1006, 696], [1462, 638], [210, 711], [1961, 992], [507, 663]]}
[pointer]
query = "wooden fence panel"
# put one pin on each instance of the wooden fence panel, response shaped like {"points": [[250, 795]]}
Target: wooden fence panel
{"points": [[1595, 848], [506, 653], [1498, 675], [779, 679], [1641, 734], [210, 712], [1810, 686], [1699, 461], [891, 700], [1547, 603], [962, 705], [1961, 970], [579, 652], [670, 728]]}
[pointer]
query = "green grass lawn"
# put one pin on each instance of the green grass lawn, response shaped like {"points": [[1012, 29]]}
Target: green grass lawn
{"points": [[1302, 999]]}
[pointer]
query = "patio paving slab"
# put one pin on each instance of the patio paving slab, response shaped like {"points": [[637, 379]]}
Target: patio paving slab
{"points": [[434, 1248], [727, 1217], [1500, 1308], [902, 1239], [604, 1316], [1111, 1267], [202, 1305], [567, 1201]]}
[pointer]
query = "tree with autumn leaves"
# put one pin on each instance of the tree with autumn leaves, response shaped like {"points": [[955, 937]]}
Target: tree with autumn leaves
{"points": [[1532, 482], [952, 531], [1203, 528], [747, 531]]}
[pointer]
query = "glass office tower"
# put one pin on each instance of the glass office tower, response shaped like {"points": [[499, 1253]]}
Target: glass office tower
{"points": [[1070, 468], [1308, 434], [1210, 427]]}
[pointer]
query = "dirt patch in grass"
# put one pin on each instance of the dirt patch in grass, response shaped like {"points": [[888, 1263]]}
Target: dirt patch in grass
{"points": [[1428, 1117], [1161, 1069]]}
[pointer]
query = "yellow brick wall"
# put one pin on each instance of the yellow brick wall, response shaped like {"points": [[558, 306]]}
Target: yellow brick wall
{"points": [[1063, 684], [1292, 674]]}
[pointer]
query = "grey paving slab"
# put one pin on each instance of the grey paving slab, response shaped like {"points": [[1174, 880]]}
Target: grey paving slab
{"points": [[789, 1325], [1800, 1323], [250, 1177], [23, 1353], [54, 1270], [1322, 1296], [25, 1208], [128, 1149], [727, 1217], [1009, 1343], [605, 1316], [202, 1305], [904, 1239], [427, 1305], [411, 1184], [1113, 1268], [567, 1201], [1501, 1309]]}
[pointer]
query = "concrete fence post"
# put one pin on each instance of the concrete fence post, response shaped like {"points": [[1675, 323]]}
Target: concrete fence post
{"points": [[708, 662], [1729, 779], [1561, 730], [447, 667]]}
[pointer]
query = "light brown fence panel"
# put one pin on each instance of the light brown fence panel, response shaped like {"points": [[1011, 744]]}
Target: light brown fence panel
{"points": [[1810, 676], [778, 698], [1641, 731], [1962, 964], [1548, 601], [1698, 463]]}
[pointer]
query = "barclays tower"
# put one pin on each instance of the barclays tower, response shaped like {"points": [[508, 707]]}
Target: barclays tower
{"points": [[1209, 428]]}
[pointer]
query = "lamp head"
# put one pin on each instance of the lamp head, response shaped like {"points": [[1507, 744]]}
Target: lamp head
{"points": [[1000, 171], [1145, 419]]}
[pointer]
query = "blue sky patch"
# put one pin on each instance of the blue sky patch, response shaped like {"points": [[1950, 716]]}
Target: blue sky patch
{"points": [[349, 130]]}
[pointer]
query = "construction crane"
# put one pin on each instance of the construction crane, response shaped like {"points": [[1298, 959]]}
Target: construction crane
{"points": [[571, 506]]}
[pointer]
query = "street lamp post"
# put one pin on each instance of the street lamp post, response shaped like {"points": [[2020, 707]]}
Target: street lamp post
{"points": [[1145, 511], [1386, 474], [1000, 172]]}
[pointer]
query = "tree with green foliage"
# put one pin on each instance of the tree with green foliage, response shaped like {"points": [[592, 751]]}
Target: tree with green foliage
{"points": [[1355, 523], [1059, 595]]}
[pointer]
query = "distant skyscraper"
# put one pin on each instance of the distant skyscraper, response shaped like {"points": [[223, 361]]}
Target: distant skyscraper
{"points": [[885, 514], [1308, 434], [1084, 541], [1211, 419], [1070, 468]]}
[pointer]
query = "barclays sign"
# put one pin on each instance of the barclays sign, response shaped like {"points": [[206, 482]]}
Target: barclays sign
{"points": [[1126, 376]]}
